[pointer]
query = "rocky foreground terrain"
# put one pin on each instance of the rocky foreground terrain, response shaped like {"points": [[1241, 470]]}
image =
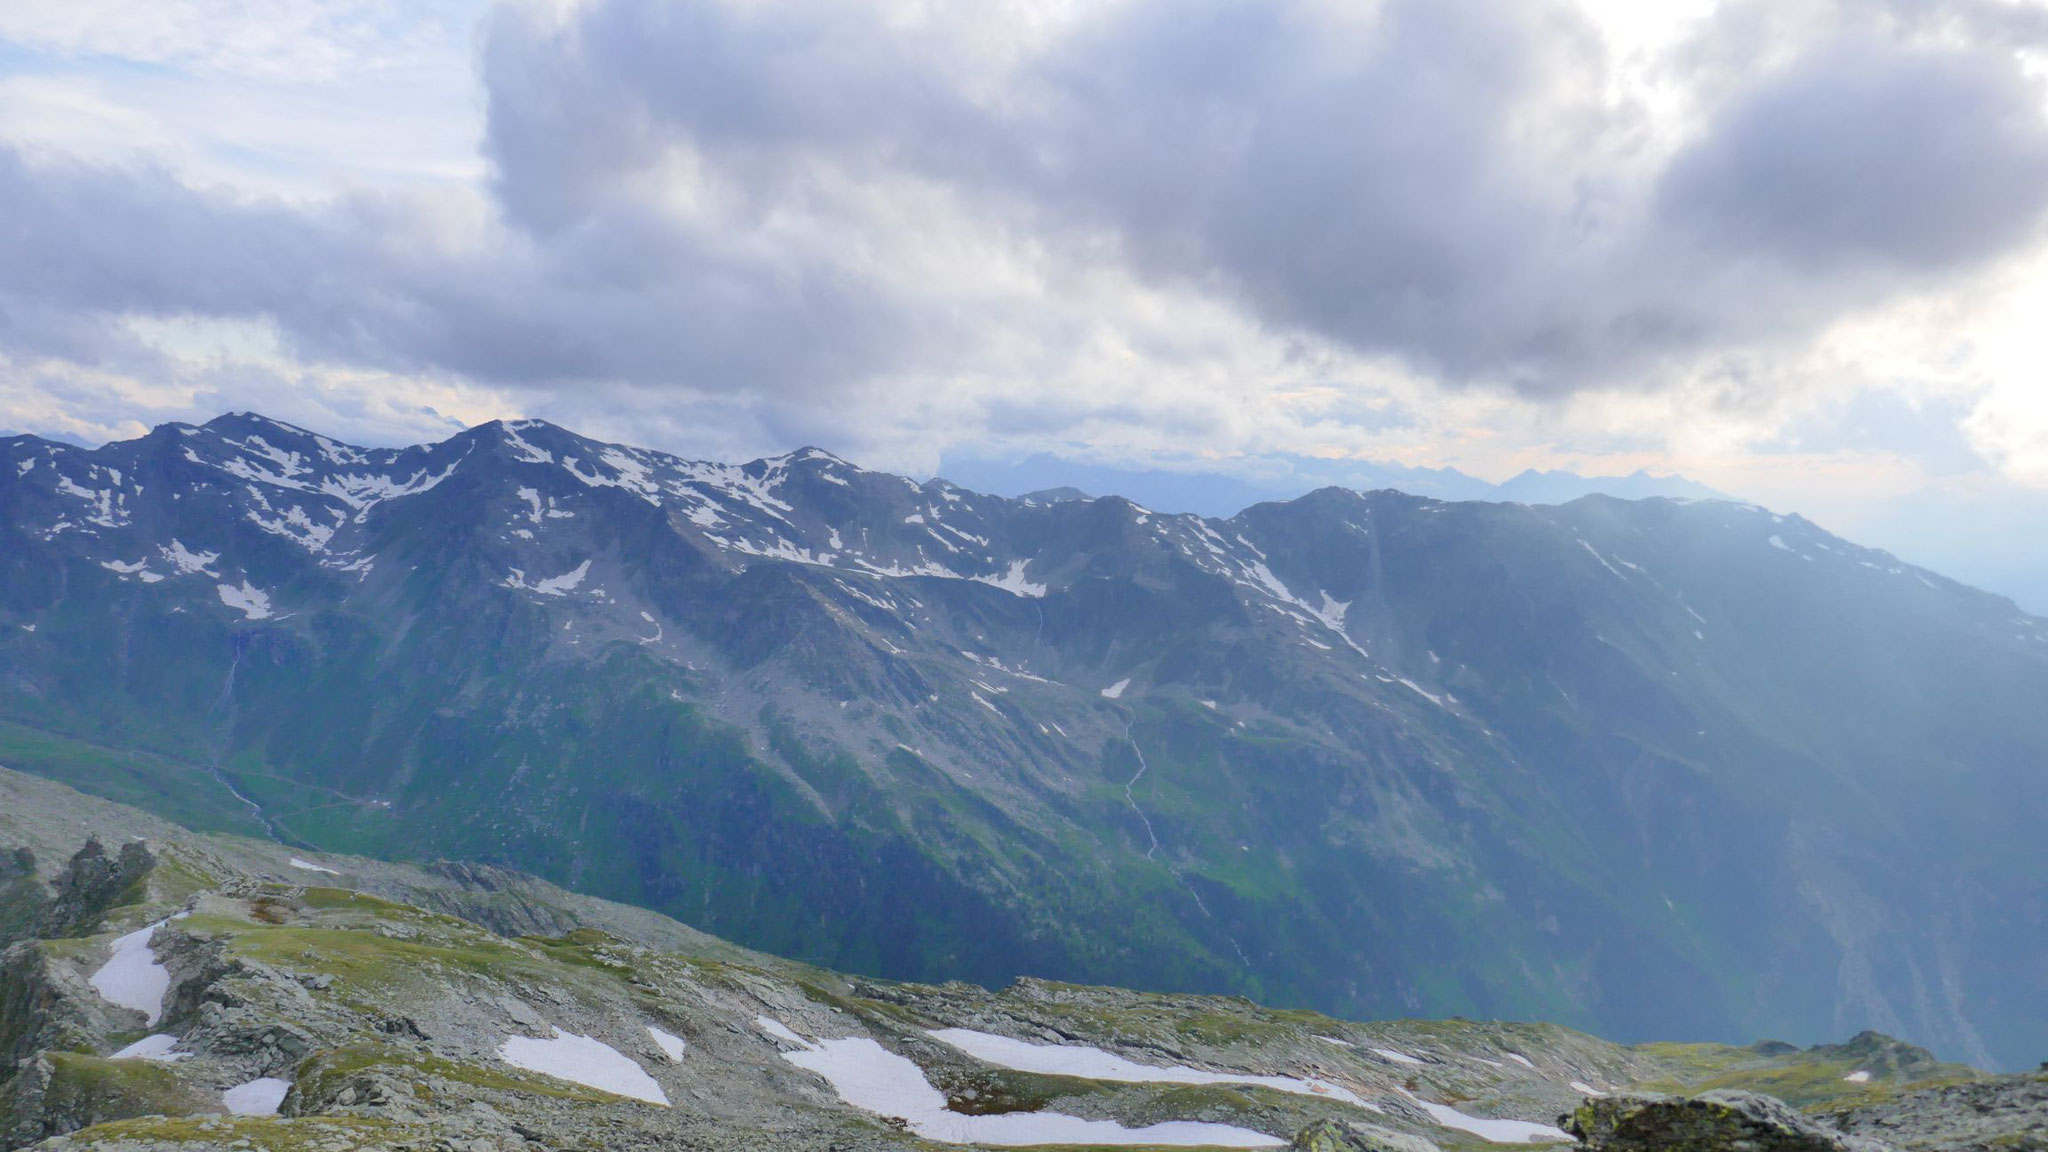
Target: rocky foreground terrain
{"points": [[164, 989]]}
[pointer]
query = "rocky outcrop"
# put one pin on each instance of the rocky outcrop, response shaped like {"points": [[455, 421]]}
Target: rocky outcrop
{"points": [[1727, 1121], [1352, 1136], [2004, 1114], [45, 1003], [91, 883], [22, 895]]}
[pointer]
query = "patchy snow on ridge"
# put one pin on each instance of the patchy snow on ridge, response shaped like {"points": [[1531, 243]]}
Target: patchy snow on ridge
{"points": [[1116, 690], [552, 586], [252, 602], [157, 1048], [132, 977], [1096, 1064], [259, 1097], [1014, 582], [582, 1060], [869, 1076]]}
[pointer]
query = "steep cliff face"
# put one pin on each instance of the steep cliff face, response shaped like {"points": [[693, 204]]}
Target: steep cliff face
{"points": [[1653, 768]]}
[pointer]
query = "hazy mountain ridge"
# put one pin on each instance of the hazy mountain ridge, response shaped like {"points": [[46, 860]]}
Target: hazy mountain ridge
{"points": [[1365, 751], [1285, 477]]}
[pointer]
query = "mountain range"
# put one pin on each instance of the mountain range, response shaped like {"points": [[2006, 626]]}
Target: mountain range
{"points": [[1284, 477], [1672, 768]]}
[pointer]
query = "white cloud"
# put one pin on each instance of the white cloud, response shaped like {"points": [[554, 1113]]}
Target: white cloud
{"points": [[1482, 235]]}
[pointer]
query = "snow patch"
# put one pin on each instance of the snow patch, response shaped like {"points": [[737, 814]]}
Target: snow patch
{"points": [[553, 585], [139, 569], [869, 1076], [252, 602], [1013, 582], [1603, 559], [157, 1048], [671, 1045], [1419, 690], [1337, 1042], [1096, 1064], [309, 866], [1116, 690], [528, 454], [1498, 1131], [258, 1097], [132, 977], [582, 1060], [1520, 1059], [1586, 1089], [777, 1028], [188, 562], [1860, 1076], [1396, 1057]]}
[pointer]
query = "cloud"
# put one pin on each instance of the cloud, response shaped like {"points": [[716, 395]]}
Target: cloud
{"points": [[1452, 183], [1210, 221], [1862, 157]]}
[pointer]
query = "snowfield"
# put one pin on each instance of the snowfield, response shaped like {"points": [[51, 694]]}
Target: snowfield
{"points": [[252, 602], [132, 977], [157, 1048], [259, 1097], [1498, 1131], [867, 1075], [582, 1060], [1095, 1064], [671, 1045]]}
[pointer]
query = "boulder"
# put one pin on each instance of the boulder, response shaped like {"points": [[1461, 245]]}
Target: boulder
{"points": [[1722, 1121]]}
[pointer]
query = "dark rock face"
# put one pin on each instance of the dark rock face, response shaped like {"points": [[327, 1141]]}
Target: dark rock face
{"points": [[1711, 1122], [92, 883]]}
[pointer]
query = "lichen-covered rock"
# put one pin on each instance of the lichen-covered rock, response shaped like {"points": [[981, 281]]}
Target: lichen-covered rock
{"points": [[1728, 1121], [1352, 1136], [2003, 1114]]}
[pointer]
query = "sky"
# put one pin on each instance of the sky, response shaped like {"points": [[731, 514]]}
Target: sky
{"points": [[1796, 249]]}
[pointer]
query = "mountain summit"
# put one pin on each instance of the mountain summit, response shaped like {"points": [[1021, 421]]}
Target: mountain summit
{"points": [[1655, 768]]}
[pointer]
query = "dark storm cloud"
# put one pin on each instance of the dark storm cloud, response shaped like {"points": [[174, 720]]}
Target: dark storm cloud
{"points": [[700, 194], [1923, 161], [365, 281]]}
